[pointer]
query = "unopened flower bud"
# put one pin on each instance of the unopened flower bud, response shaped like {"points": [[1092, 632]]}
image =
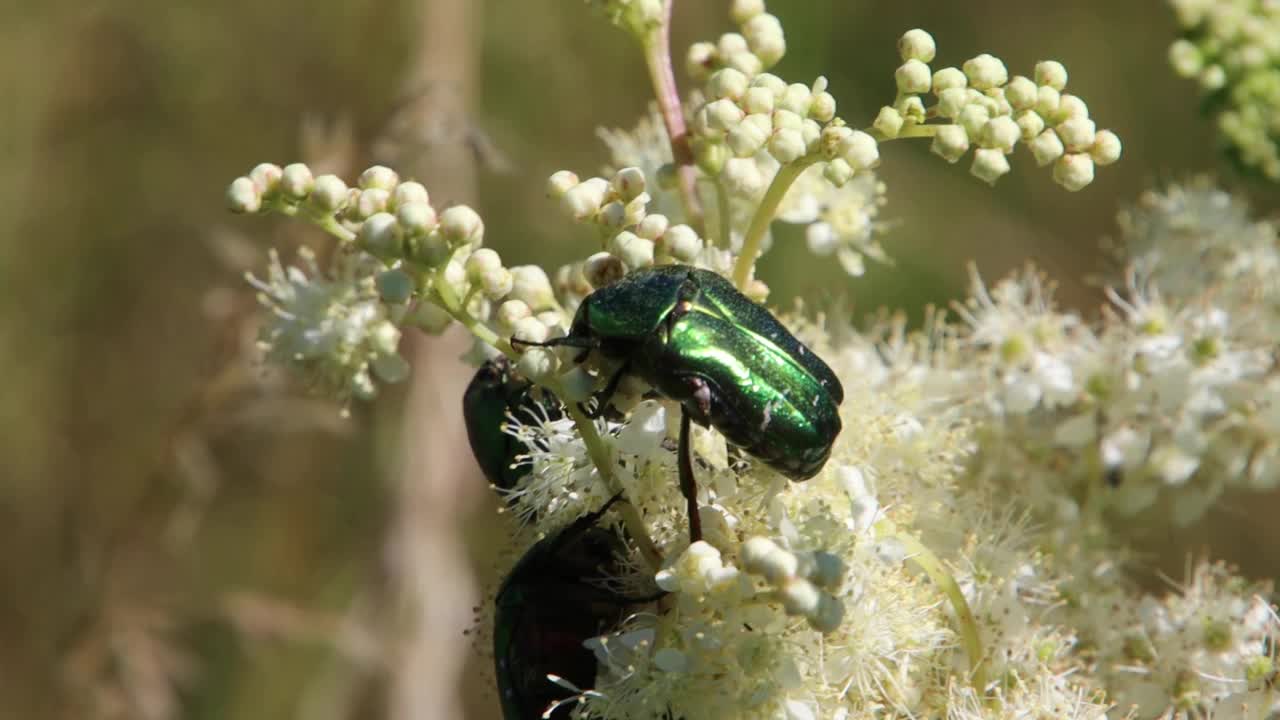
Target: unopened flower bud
{"points": [[583, 200], [948, 78], [1071, 106], [511, 312], [481, 262], [727, 84], [731, 43], [950, 143], [531, 285], [766, 39], [917, 44], [409, 192], [628, 183], [682, 243], [613, 216], [1047, 101], [381, 236], [560, 182], [538, 364], [1077, 133], [989, 165], [837, 172], [1030, 124], [1073, 171], [382, 178], [860, 150], [787, 145], [723, 114], [368, 203], [1046, 148], [913, 77], [973, 118], [296, 181], [495, 283], [266, 177], [743, 178], [952, 101], [797, 98], [746, 139], [759, 553], [1186, 58], [985, 71], [329, 194], [823, 107], [770, 82], [460, 225], [603, 269], [700, 59], [1106, 148], [743, 10], [652, 226], [634, 251], [888, 122], [799, 597], [1052, 74], [1001, 133], [428, 248], [1021, 93], [243, 196], [758, 100], [416, 218], [529, 330]]}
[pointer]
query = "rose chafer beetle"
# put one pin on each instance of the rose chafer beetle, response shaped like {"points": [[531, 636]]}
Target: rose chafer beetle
{"points": [[550, 603], [730, 364], [495, 392]]}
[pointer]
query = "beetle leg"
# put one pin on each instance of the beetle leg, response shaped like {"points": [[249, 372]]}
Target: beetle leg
{"points": [[581, 525], [688, 485], [604, 396]]}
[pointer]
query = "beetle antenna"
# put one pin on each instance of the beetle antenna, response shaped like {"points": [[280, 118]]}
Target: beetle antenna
{"points": [[566, 341]]}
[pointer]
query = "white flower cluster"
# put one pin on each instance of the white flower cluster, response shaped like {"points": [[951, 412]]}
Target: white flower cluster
{"points": [[1205, 649], [757, 46], [1172, 398], [992, 112], [336, 329], [1232, 48]]}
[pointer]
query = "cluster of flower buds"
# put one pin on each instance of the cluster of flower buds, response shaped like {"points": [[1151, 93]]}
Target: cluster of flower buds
{"points": [[758, 45], [745, 115], [803, 581], [991, 112], [1233, 50], [420, 266], [632, 237]]}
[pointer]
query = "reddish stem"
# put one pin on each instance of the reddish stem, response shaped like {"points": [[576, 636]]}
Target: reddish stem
{"points": [[658, 58]]}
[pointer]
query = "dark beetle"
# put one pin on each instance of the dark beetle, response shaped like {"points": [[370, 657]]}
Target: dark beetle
{"points": [[550, 603], [730, 364], [495, 391]]}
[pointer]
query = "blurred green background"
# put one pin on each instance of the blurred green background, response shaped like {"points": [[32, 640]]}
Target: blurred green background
{"points": [[187, 535]]}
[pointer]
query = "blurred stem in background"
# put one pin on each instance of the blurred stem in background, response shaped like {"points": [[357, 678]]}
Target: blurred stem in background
{"points": [[434, 488]]}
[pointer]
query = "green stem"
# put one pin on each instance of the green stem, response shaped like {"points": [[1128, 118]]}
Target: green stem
{"points": [[328, 223], [599, 454], [787, 175], [915, 131], [934, 568]]}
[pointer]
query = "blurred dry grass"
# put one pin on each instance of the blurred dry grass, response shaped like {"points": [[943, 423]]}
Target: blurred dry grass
{"points": [[185, 536]]}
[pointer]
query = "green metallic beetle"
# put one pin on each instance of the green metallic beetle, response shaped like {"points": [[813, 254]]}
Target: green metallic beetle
{"points": [[730, 364], [550, 603], [495, 392]]}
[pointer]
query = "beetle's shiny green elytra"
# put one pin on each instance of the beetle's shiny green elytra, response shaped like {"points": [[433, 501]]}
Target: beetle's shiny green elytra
{"points": [[495, 391], [548, 605], [729, 362]]}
